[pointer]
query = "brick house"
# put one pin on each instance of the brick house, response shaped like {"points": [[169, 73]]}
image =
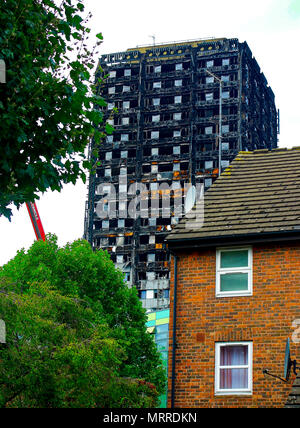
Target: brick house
{"points": [[236, 287]]}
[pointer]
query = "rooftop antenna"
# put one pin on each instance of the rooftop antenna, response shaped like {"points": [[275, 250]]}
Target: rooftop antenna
{"points": [[153, 38]]}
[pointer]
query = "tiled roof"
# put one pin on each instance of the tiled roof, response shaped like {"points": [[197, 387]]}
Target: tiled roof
{"points": [[259, 193]]}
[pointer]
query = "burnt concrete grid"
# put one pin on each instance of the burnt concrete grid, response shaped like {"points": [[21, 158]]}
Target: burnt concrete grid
{"points": [[249, 111]]}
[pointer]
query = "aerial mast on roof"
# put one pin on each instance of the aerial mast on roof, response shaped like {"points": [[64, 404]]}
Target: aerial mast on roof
{"points": [[153, 38]]}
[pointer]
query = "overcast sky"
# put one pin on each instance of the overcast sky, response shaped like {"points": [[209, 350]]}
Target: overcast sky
{"points": [[270, 27]]}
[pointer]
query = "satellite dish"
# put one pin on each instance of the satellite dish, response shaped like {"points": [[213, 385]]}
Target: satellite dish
{"points": [[288, 364], [287, 360]]}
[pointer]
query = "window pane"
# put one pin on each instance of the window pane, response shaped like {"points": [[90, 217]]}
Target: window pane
{"points": [[234, 281], [234, 355], [162, 328], [233, 259], [233, 378]]}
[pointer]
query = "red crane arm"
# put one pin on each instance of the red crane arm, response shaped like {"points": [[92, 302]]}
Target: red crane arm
{"points": [[36, 221]]}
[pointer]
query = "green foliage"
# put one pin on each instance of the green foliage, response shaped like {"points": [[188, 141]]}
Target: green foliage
{"points": [[75, 327], [48, 110]]}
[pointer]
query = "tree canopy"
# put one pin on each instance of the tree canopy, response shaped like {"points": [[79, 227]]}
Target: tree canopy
{"points": [[76, 333], [48, 106]]}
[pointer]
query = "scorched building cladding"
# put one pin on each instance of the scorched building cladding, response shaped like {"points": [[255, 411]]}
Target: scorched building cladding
{"points": [[166, 129]]}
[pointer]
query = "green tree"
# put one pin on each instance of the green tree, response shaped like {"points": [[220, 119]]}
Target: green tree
{"points": [[81, 275], [49, 109], [61, 353]]}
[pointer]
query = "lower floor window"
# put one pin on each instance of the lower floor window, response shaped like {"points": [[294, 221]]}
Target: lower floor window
{"points": [[233, 368]]}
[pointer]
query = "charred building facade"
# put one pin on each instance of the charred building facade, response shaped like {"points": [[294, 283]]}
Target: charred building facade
{"points": [[164, 105]]}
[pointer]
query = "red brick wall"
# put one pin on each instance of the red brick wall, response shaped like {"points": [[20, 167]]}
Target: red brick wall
{"points": [[265, 318]]}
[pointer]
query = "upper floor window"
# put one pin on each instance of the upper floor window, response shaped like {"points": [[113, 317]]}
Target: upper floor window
{"points": [[225, 78], [234, 272], [154, 135], [208, 165], [225, 129], [225, 146], [209, 79], [233, 368]]}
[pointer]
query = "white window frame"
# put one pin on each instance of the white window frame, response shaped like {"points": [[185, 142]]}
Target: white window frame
{"points": [[247, 270], [218, 367]]}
